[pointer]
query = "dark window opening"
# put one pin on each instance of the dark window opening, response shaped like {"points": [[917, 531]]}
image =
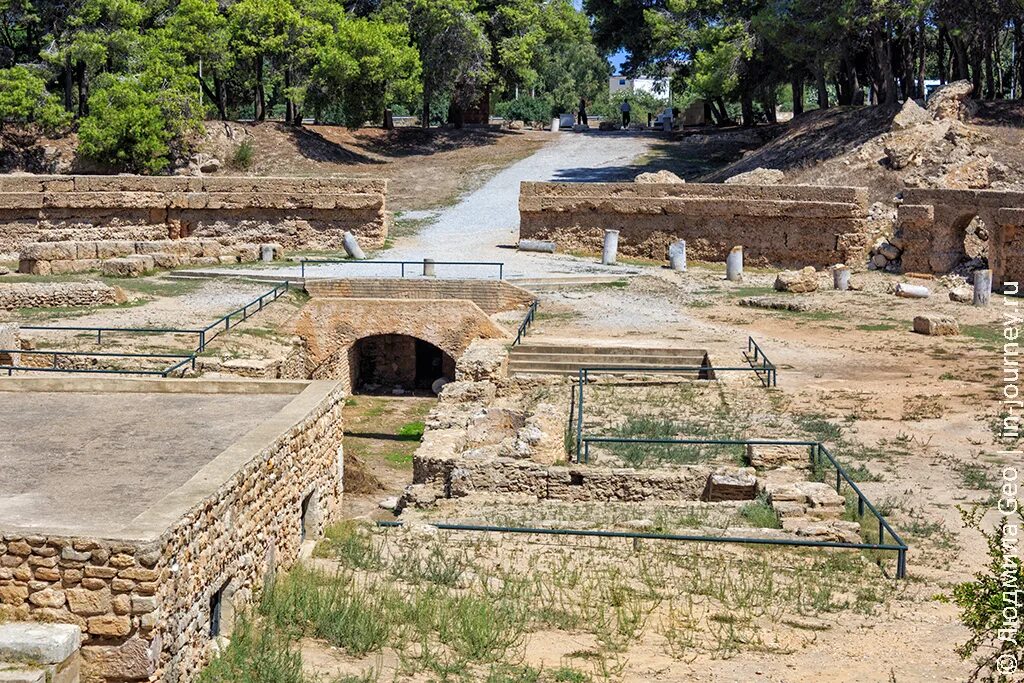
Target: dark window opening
{"points": [[305, 518], [216, 611], [575, 479]]}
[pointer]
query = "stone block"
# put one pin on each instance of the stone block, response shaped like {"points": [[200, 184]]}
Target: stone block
{"points": [[936, 325], [33, 267], [48, 597], [110, 626], [739, 484], [165, 261], [39, 643], [89, 602], [21, 674], [797, 281], [107, 249], [763, 456], [962, 295], [131, 266], [133, 660]]}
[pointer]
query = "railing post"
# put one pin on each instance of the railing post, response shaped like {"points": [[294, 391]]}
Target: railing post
{"points": [[901, 563], [403, 268], [579, 417], [881, 532], [99, 337], [202, 340], [839, 481], [501, 271], [586, 451], [860, 505], [302, 265]]}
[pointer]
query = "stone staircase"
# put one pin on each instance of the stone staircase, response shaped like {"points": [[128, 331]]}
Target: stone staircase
{"points": [[566, 358]]}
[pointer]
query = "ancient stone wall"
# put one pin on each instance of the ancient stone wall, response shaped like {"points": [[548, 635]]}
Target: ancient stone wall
{"points": [[933, 223], [792, 226], [490, 295], [57, 294], [296, 212], [73, 256], [143, 603]]}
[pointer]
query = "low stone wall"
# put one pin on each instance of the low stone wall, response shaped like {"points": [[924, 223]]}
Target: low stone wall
{"points": [[791, 226], [143, 600], [72, 256], [482, 438], [492, 296], [933, 223], [57, 294], [296, 212]]}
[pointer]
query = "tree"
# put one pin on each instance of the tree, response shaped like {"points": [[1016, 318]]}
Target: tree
{"points": [[453, 51], [24, 100], [199, 31], [261, 29]]}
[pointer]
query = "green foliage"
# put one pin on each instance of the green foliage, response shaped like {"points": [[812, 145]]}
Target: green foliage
{"points": [[258, 653], [24, 99], [242, 158], [982, 601], [528, 109]]}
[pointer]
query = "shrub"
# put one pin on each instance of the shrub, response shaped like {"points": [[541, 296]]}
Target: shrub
{"points": [[257, 654], [24, 99], [243, 156], [528, 109]]}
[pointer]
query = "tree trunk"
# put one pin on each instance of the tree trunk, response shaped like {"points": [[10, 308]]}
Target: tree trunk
{"points": [[1018, 65], [819, 77], [222, 96], [797, 84], [289, 106], [922, 58], [723, 113], [883, 58], [425, 121], [261, 95], [747, 107], [770, 103], [69, 84], [83, 90], [941, 50], [990, 75]]}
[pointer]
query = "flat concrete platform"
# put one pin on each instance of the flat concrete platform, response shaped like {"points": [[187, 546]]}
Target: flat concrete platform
{"points": [[78, 462]]}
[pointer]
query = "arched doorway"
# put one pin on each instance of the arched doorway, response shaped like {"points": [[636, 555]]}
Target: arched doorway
{"points": [[390, 363]]}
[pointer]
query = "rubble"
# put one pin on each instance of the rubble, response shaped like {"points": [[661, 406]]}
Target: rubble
{"points": [[667, 177], [759, 176], [797, 281]]}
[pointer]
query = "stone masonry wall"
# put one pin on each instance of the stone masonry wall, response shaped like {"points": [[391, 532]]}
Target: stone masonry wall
{"points": [[932, 224], [143, 605], [57, 294], [790, 226], [296, 212], [492, 296]]}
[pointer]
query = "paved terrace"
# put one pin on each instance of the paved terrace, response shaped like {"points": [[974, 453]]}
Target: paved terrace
{"points": [[91, 462]]}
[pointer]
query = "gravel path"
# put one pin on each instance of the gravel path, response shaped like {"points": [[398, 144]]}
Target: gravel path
{"points": [[484, 225]]}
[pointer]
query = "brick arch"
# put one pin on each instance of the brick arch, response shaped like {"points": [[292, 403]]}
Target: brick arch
{"points": [[329, 327]]}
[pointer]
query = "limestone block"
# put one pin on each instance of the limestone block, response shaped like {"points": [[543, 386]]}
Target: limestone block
{"points": [[661, 177], [962, 295], [87, 602], [21, 674], [135, 659], [165, 261], [936, 325], [759, 176], [48, 597], [734, 484], [106, 249], [835, 530], [912, 114], [762, 456], [110, 626], [797, 281], [129, 266]]}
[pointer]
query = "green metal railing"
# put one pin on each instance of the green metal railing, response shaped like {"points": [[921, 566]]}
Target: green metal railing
{"points": [[527, 322], [763, 368], [402, 264], [181, 360], [818, 454], [204, 336]]}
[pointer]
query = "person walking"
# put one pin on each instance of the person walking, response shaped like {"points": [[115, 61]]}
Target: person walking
{"points": [[625, 109], [582, 116]]}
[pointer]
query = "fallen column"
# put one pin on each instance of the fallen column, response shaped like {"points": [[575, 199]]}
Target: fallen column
{"points": [[541, 246], [351, 246], [912, 291]]}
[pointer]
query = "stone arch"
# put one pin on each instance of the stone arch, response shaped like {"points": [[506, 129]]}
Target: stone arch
{"points": [[330, 328]]}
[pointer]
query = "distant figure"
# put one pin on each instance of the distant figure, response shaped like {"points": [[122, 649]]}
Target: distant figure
{"points": [[582, 118], [625, 109]]}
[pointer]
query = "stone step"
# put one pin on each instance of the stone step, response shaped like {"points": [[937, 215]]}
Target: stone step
{"points": [[567, 349], [576, 365], [575, 372], [696, 358], [10, 672]]}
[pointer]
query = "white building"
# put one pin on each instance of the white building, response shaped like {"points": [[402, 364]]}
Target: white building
{"points": [[655, 86]]}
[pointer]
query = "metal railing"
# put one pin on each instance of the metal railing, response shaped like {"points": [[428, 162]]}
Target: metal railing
{"points": [[818, 453], [203, 337], [760, 364], [402, 264], [181, 360], [527, 321]]}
